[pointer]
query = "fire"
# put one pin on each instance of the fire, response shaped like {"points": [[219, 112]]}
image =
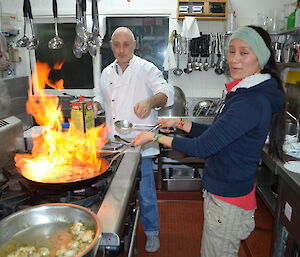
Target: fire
{"points": [[58, 156]]}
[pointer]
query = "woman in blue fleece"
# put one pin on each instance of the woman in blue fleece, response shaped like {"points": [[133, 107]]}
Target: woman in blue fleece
{"points": [[254, 107]]}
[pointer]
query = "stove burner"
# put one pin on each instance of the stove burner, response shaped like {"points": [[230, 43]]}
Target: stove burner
{"points": [[16, 192]]}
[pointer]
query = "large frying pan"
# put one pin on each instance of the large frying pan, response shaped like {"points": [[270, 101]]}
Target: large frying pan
{"points": [[65, 186]]}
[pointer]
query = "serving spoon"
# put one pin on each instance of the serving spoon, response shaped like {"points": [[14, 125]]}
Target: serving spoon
{"points": [[125, 125]]}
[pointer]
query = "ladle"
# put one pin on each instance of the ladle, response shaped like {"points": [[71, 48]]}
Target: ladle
{"points": [[189, 66], [81, 30], [177, 71], [97, 39], [92, 46], [56, 42], [125, 125], [206, 65], [33, 42], [23, 41]]}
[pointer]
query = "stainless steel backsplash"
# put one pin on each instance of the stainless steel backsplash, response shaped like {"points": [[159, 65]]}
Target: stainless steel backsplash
{"points": [[13, 97]]}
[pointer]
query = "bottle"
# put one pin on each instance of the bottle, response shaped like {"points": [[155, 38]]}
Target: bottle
{"points": [[297, 17], [291, 20]]}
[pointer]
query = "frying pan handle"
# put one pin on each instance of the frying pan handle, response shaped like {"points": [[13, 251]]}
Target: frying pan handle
{"points": [[119, 153], [54, 7]]}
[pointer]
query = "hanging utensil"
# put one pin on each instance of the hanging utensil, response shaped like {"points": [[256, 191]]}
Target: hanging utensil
{"points": [[212, 53], [81, 29], [33, 42], [97, 40], [218, 70], [92, 47], [206, 65], [96, 31], [56, 42], [77, 42], [221, 57], [189, 65], [24, 41], [177, 71]]}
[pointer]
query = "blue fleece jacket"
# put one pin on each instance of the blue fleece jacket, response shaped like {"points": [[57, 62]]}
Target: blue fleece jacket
{"points": [[232, 145]]}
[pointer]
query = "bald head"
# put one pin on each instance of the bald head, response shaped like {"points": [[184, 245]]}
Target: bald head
{"points": [[123, 45], [123, 30]]}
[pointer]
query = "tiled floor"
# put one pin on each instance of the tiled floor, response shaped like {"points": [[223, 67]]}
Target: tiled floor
{"points": [[181, 219]]}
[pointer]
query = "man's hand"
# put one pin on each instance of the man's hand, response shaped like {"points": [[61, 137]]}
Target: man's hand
{"points": [[143, 108], [96, 108]]}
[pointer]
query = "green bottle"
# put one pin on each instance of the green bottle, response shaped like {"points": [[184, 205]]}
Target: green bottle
{"points": [[291, 20]]}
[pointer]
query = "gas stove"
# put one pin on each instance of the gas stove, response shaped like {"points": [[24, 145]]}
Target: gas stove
{"points": [[111, 197]]}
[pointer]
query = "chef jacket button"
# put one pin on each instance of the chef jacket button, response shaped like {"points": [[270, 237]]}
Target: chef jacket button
{"points": [[110, 83], [114, 118], [113, 100]]}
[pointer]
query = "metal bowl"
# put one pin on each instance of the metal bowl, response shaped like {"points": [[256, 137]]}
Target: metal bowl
{"points": [[47, 225]]}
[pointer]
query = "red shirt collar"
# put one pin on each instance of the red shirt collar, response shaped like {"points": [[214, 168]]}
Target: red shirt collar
{"points": [[230, 85]]}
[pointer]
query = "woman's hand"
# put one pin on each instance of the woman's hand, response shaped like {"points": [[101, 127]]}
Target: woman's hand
{"points": [[168, 123], [143, 138]]}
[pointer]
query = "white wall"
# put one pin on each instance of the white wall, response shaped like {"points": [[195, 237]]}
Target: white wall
{"points": [[196, 84]]}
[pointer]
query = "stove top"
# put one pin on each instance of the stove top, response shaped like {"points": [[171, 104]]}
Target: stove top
{"points": [[17, 193], [112, 197]]}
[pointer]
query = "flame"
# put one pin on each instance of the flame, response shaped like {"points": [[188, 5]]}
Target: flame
{"points": [[58, 156]]}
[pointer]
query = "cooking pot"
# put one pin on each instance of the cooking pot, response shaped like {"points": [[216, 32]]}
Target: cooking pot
{"points": [[47, 225], [179, 106]]}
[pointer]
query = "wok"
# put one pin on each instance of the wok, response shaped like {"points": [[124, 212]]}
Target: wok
{"points": [[47, 225]]}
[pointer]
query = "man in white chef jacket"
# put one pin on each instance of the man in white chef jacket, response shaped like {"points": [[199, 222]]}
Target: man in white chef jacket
{"points": [[132, 89]]}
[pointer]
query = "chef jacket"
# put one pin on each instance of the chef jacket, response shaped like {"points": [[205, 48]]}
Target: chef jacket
{"points": [[119, 91]]}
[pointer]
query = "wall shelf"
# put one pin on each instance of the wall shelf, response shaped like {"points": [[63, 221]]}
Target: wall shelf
{"points": [[202, 9]]}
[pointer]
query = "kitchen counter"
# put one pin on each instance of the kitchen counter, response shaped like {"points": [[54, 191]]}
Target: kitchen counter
{"points": [[268, 174], [276, 166], [285, 207]]}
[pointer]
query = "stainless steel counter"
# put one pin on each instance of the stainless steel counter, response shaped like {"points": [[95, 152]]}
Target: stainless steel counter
{"points": [[287, 208], [276, 166], [118, 198], [198, 119]]}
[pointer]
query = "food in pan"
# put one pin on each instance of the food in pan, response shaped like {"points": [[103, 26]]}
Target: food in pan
{"points": [[81, 238], [30, 251]]}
